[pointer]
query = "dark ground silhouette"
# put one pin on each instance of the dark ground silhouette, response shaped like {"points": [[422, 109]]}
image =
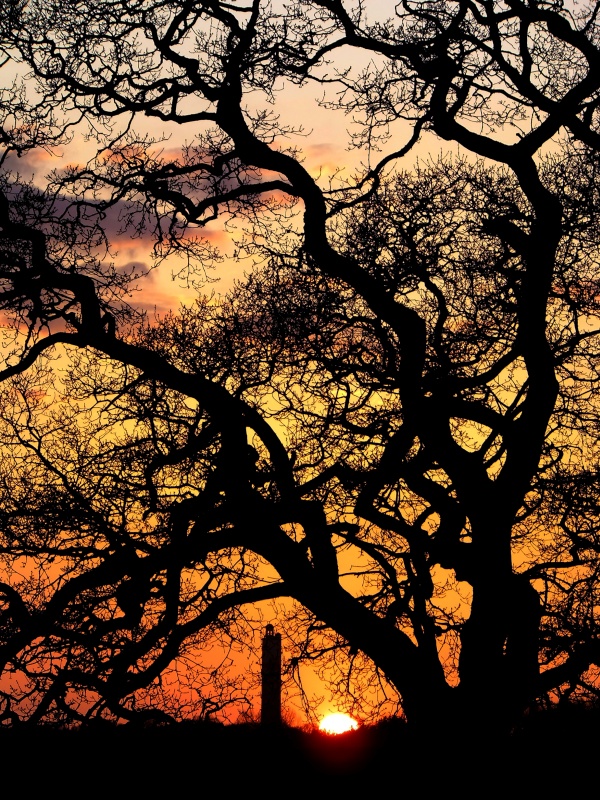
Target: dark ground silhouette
{"points": [[551, 751]]}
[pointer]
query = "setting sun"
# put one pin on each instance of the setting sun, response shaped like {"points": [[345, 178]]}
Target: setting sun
{"points": [[338, 723]]}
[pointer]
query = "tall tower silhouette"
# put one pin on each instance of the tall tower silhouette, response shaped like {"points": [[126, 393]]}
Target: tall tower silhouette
{"points": [[270, 696]]}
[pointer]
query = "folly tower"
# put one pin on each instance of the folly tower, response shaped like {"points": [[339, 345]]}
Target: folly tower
{"points": [[270, 698]]}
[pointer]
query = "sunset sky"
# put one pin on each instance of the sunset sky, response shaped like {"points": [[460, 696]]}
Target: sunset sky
{"points": [[323, 137], [324, 140], [380, 431]]}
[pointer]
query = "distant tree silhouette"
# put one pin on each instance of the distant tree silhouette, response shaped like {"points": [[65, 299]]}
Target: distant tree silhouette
{"points": [[404, 394]]}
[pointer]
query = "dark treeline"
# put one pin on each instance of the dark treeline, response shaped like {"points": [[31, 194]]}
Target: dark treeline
{"points": [[193, 756]]}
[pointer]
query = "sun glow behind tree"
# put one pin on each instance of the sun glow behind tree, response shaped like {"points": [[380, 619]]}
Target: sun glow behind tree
{"points": [[337, 723]]}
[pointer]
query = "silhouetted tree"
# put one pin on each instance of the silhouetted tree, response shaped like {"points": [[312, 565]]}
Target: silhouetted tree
{"points": [[100, 614], [429, 345]]}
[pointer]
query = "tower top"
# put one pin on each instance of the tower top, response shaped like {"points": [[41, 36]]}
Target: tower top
{"points": [[270, 630]]}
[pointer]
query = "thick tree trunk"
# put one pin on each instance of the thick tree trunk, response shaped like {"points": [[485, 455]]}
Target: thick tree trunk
{"points": [[498, 664], [499, 668]]}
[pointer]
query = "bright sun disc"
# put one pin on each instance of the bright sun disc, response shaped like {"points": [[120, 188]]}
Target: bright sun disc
{"points": [[338, 723]]}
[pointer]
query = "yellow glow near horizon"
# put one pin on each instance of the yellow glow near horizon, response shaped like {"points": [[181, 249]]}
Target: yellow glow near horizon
{"points": [[337, 723]]}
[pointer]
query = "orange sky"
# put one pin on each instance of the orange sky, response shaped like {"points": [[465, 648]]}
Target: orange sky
{"points": [[325, 148]]}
